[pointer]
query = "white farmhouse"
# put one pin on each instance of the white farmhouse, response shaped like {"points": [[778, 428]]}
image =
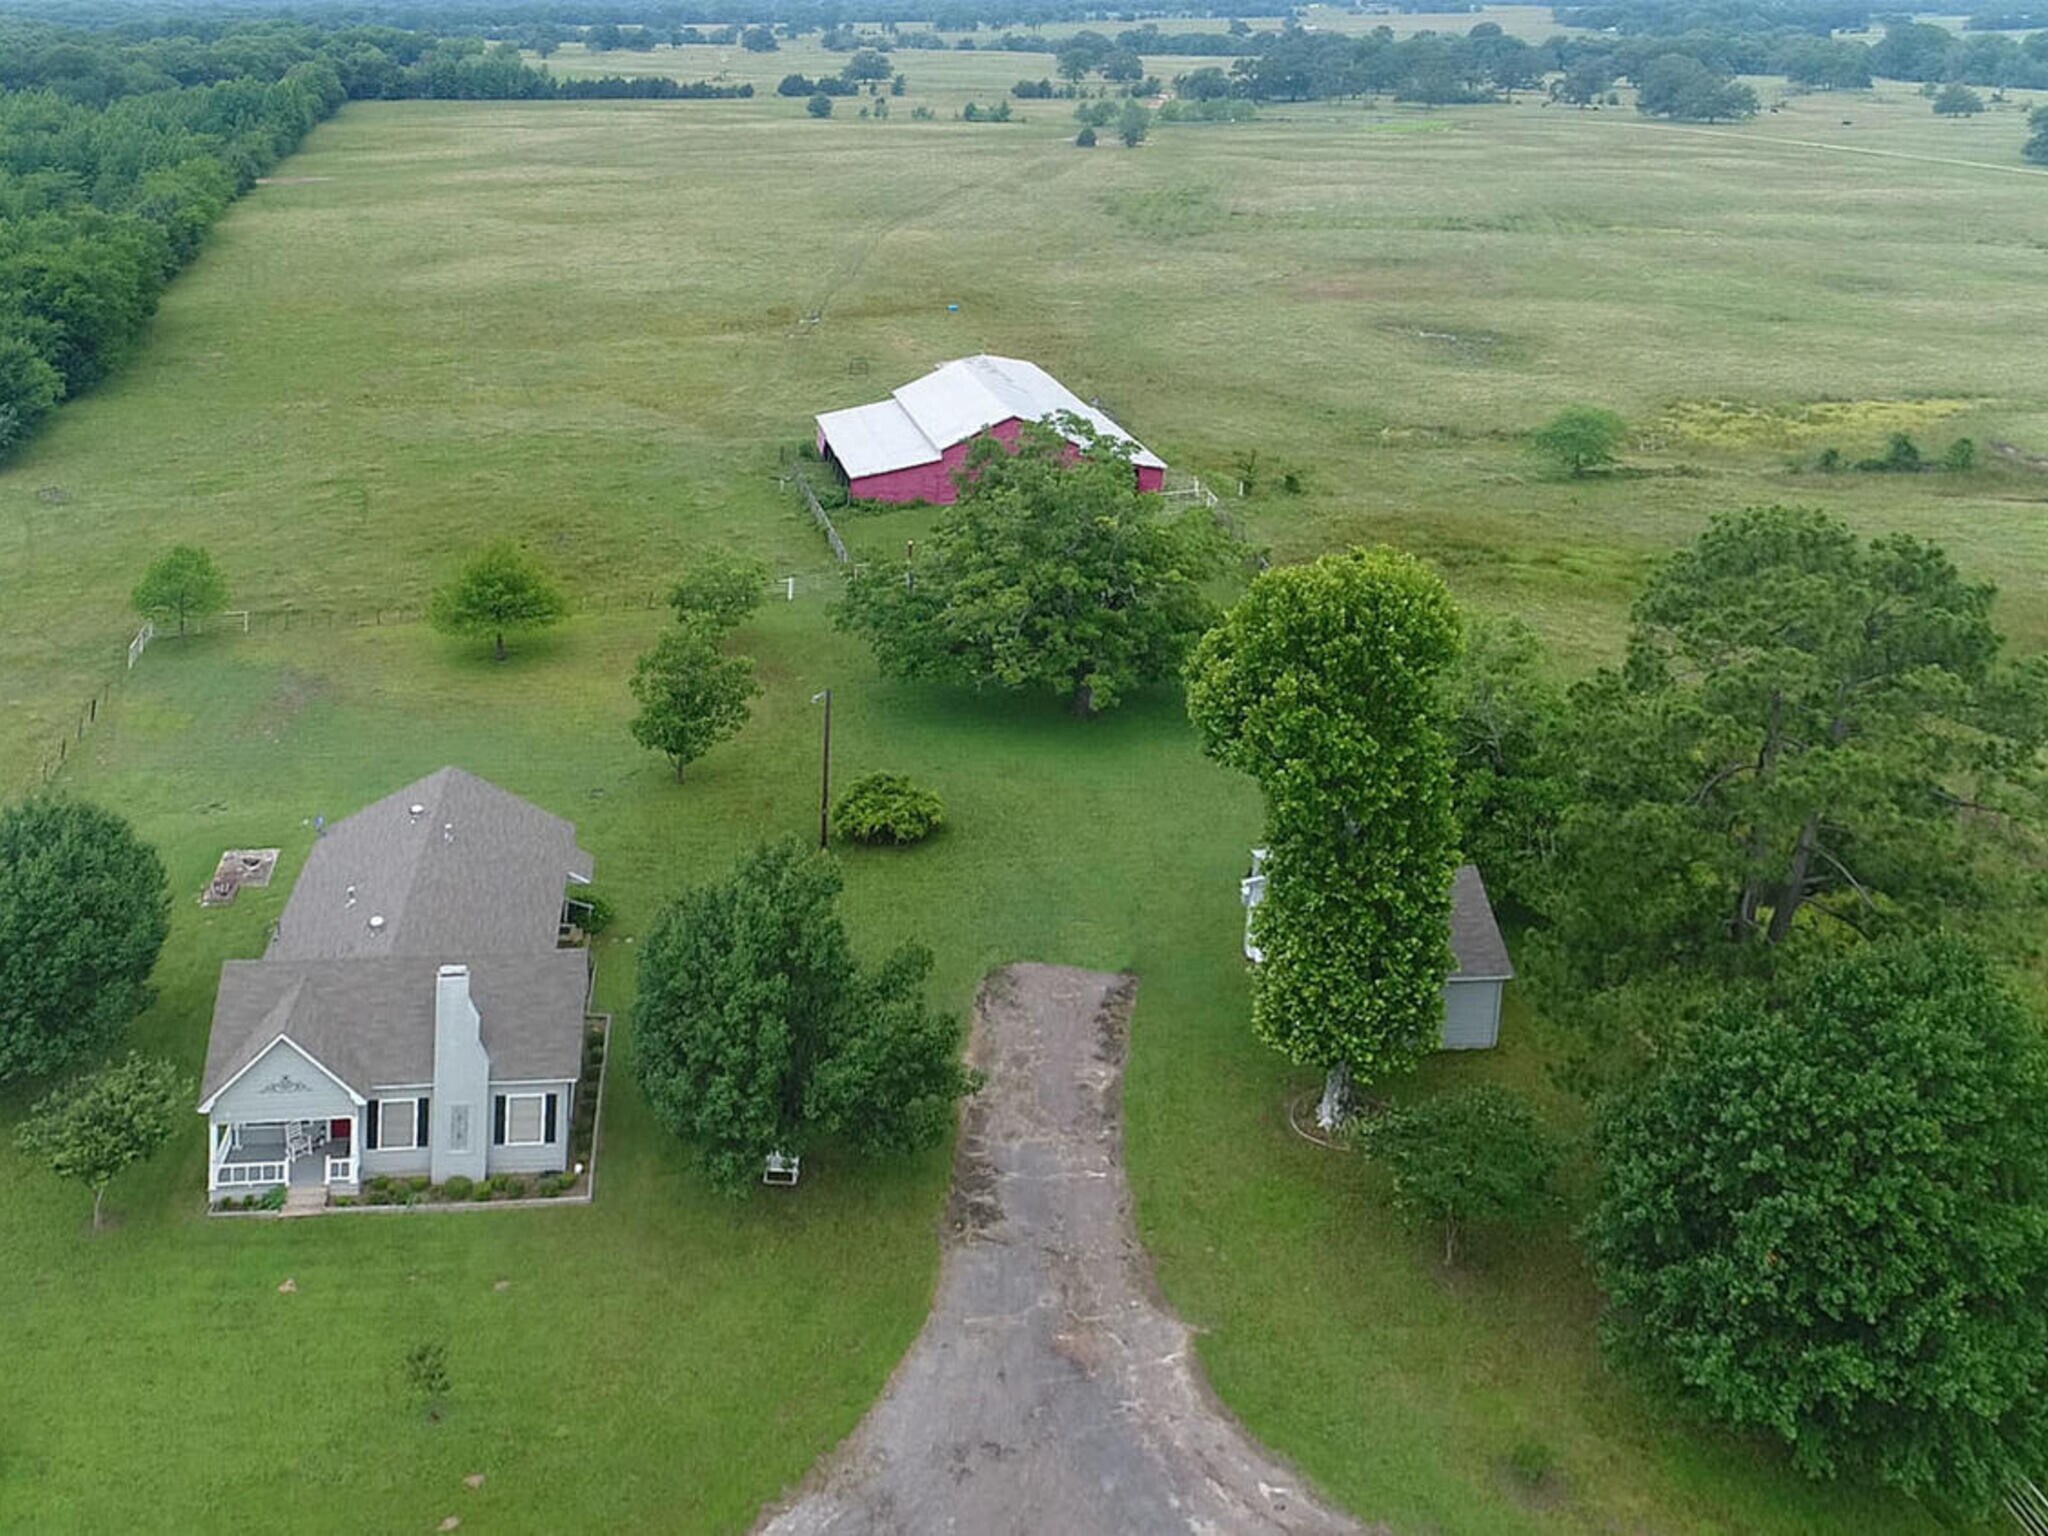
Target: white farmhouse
{"points": [[417, 1011]]}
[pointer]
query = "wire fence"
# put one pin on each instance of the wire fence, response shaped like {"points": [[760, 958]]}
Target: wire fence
{"points": [[818, 514], [51, 762]]}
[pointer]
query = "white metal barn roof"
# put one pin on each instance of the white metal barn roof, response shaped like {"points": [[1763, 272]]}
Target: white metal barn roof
{"points": [[920, 421]]}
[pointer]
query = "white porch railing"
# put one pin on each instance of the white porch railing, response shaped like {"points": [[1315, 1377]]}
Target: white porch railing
{"points": [[341, 1170], [226, 1174]]}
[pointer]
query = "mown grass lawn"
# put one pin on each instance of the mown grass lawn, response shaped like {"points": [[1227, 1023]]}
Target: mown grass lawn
{"points": [[589, 325]]}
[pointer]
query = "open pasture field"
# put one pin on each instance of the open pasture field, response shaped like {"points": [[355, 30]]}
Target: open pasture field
{"points": [[598, 327]]}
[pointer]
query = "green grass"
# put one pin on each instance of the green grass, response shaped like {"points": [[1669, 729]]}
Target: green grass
{"points": [[587, 325]]}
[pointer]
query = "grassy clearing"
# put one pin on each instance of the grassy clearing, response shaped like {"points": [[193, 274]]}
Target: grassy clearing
{"points": [[585, 324]]}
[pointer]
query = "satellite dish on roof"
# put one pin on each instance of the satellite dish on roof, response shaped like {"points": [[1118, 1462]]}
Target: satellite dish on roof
{"points": [[377, 923], [417, 810]]}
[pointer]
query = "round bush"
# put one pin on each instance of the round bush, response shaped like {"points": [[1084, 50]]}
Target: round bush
{"points": [[457, 1188], [599, 914], [887, 808]]}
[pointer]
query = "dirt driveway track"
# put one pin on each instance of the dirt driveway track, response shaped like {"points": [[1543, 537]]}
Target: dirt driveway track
{"points": [[1051, 1393]]}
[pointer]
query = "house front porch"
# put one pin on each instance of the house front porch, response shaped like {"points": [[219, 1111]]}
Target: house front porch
{"points": [[250, 1157]]}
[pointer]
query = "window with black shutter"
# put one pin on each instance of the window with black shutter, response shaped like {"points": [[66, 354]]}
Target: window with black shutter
{"points": [[422, 1138], [370, 1126], [498, 1120], [551, 1117]]}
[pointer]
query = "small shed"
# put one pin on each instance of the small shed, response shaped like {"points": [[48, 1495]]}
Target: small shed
{"points": [[1480, 968]]}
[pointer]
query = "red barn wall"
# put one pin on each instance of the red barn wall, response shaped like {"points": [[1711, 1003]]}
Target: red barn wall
{"points": [[929, 482], [934, 482]]}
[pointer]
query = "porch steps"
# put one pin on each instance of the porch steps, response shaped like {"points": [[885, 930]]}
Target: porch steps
{"points": [[304, 1199]]}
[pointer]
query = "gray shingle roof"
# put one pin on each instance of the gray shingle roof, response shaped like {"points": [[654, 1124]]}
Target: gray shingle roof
{"points": [[1476, 944], [371, 1021], [454, 866], [461, 872]]}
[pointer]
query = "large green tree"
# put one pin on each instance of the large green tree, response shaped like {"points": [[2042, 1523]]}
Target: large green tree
{"points": [[2036, 147], [1506, 722], [1051, 572], [1678, 85], [691, 694], [183, 584], [1324, 684], [83, 913], [1957, 100], [1826, 1219], [96, 1126], [1810, 732], [756, 1030], [500, 590]]}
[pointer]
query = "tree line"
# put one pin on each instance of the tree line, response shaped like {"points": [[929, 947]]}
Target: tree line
{"points": [[1799, 39], [119, 150]]}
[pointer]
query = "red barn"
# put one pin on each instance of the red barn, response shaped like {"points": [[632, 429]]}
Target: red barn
{"points": [[907, 447]]}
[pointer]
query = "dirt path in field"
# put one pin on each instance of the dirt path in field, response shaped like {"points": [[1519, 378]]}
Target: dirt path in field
{"points": [[1051, 1392], [1754, 140]]}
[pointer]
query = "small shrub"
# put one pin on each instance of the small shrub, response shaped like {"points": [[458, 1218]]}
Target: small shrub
{"points": [[819, 105], [458, 1188], [419, 1183], [273, 1198], [483, 1191], [594, 913], [1085, 139], [887, 808], [552, 1185], [514, 1186], [1464, 1158], [1829, 462], [1959, 455], [1902, 457]]}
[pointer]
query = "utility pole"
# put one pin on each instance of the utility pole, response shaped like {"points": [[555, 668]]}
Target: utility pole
{"points": [[825, 774]]}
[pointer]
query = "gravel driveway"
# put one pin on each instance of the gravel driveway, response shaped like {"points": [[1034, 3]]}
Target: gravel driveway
{"points": [[1051, 1391]]}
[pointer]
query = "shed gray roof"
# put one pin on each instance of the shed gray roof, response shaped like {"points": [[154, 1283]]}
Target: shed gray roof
{"points": [[1476, 944], [371, 1021], [455, 866]]}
